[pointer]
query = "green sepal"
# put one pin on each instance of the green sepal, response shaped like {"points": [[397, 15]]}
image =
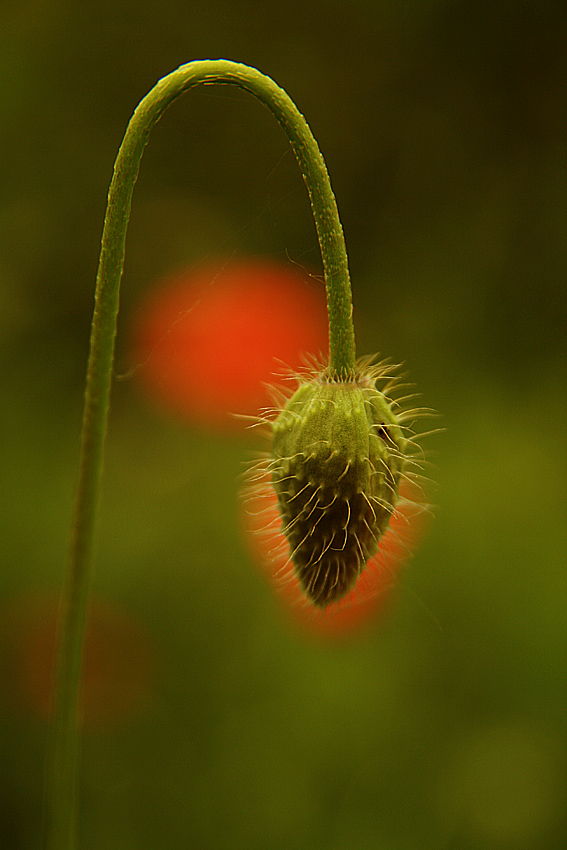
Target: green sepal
{"points": [[337, 459]]}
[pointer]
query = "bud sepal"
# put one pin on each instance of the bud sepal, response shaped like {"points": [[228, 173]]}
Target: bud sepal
{"points": [[338, 456]]}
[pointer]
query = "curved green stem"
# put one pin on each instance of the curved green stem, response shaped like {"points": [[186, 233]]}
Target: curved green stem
{"points": [[63, 754]]}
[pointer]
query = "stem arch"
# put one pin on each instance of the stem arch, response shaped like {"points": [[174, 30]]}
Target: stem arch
{"points": [[62, 760]]}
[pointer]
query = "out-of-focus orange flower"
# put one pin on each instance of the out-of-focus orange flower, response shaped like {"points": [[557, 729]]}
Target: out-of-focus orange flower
{"points": [[207, 341], [117, 669], [207, 344], [369, 597]]}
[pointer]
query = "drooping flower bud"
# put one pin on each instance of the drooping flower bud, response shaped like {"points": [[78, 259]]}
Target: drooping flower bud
{"points": [[338, 455]]}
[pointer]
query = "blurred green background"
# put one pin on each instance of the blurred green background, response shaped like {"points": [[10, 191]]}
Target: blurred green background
{"points": [[442, 724]]}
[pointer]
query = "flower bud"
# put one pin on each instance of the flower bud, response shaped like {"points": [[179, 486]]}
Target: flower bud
{"points": [[337, 459]]}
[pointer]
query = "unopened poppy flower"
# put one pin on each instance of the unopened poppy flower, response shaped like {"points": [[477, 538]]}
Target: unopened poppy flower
{"points": [[336, 504], [206, 342], [118, 661]]}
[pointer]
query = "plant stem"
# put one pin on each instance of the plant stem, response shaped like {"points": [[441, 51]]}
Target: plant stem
{"points": [[62, 760]]}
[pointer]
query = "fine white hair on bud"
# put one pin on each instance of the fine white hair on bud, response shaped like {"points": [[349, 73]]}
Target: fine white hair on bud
{"points": [[339, 452]]}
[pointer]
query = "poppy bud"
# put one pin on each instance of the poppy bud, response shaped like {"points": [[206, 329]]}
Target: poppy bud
{"points": [[338, 455]]}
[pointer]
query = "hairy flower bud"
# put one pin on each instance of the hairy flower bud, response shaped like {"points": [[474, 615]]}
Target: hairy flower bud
{"points": [[338, 455]]}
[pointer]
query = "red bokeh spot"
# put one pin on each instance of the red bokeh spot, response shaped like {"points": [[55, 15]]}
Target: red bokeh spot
{"points": [[207, 341], [118, 662], [370, 595]]}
